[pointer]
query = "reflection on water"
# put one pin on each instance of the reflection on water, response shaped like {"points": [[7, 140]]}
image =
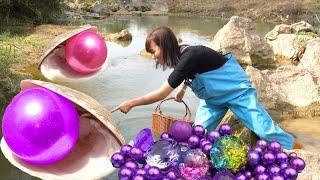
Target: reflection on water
{"points": [[128, 75]]}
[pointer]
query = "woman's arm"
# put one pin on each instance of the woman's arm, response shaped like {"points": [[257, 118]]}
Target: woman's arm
{"points": [[181, 91], [149, 98]]}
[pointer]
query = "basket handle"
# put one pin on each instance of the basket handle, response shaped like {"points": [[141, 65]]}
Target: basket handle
{"points": [[188, 112]]}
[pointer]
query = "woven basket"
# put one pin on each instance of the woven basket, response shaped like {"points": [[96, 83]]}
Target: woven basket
{"points": [[162, 123]]}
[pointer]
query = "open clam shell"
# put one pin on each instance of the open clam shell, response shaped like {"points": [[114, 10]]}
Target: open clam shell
{"points": [[98, 139], [53, 65]]}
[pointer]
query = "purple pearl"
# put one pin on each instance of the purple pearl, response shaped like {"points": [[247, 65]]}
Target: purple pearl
{"points": [[141, 171], [117, 160], [274, 146], [172, 175], [199, 131], [258, 150], [297, 164], [131, 165], [260, 169], [146, 166], [136, 153], [268, 158], [204, 142], [225, 130], [262, 144], [293, 155], [125, 173], [274, 170], [290, 173], [213, 136], [125, 149], [240, 176], [283, 165], [193, 141], [263, 176], [281, 157], [154, 173], [253, 158], [165, 135], [248, 174], [277, 177], [138, 177], [207, 148]]}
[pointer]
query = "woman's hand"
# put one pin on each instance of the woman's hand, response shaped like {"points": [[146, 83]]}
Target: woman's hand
{"points": [[124, 107], [179, 95]]}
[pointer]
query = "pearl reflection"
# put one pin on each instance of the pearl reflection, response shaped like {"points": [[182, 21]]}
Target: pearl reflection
{"points": [[33, 108]]}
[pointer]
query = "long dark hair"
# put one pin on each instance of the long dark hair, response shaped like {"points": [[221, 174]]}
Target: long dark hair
{"points": [[167, 41]]}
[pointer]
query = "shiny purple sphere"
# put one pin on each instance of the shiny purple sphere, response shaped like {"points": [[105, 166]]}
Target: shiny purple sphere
{"points": [[40, 126], [136, 154], [260, 169], [283, 165], [281, 157], [146, 166], [141, 171], [165, 135], [268, 158], [290, 173], [204, 142], [292, 155], [274, 147], [131, 165], [225, 129], [248, 174], [181, 131], [274, 170], [240, 176], [263, 176], [297, 164], [253, 158], [125, 149], [199, 131], [125, 173], [258, 150], [172, 174], [262, 144], [154, 173], [277, 177], [193, 141], [138, 177], [117, 160], [213, 136], [207, 148]]}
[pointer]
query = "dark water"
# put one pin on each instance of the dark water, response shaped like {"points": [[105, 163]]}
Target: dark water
{"points": [[129, 75]]}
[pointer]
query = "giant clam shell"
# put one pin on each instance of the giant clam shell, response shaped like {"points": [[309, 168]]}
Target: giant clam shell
{"points": [[98, 139], [53, 65]]}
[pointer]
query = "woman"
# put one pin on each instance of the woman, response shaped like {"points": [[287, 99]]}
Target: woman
{"points": [[217, 80]]}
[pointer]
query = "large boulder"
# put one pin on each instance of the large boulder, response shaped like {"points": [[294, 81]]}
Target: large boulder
{"points": [[311, 57], [239, 36], [123, 35], [289, 41], [286, 85], [289, 46]]}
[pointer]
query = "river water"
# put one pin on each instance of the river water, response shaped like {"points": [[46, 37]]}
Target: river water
{"points": [[128, 75]]}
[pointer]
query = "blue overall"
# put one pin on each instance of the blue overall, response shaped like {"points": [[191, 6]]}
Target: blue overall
{"points": [[228, 87]]}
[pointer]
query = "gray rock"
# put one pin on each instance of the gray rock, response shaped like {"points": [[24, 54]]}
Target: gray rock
{"points": [[101, 10], [311, 57], [239, 36]]}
